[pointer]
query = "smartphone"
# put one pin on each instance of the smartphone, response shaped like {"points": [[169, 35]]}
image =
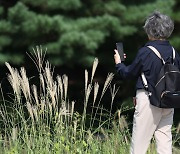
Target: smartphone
{"points": [[119, 47]]}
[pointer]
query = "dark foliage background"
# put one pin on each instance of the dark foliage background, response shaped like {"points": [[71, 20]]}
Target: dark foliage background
{"points": [[75, 32]]}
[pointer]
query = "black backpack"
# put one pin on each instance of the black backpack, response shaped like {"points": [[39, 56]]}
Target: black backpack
{"points": [[166, 93]]}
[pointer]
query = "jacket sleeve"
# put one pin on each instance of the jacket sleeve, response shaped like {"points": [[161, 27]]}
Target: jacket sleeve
{"points": [[133, 70]]}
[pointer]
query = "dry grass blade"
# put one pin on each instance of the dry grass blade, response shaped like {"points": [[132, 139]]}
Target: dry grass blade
{"points": [[178, 129], [114, 91], [30, 110], [35, 113], [2, 115], [63, 110], [85, 102], [14, 133], [42, 83], [48, 77], [72, 109], [106, 85], [122, 123], [107, 82], [50, 106], [86, 80], [34, 89], [51, 86], [75, 128], [113, 94], [60, 86], [88, 92], [25, 84], [119, 114], [52, 93], [65, 83], [42, 104], [95, 64], [96, 89], [38, 57], [13, 78]]}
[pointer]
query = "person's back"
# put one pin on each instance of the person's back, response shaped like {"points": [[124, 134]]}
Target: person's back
{"points": [[148, 119]]}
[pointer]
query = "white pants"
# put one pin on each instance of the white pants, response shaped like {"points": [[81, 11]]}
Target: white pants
{"points": [[148, 121]]}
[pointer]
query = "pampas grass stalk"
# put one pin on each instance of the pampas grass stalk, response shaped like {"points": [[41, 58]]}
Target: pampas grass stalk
{"points": [[34, 91], [95, 64], [106, 85], [14, 134], [86, 81], [48, 77], [52, 93], [13, 78], [2, 115], [38, 57], [96, 89], [72, 109], [42, 83], [87, 93], [35, 112], [65, 83], [60, 86], [30, 110], [86, 102], [113, 94], [52, 125], [25, 84]]}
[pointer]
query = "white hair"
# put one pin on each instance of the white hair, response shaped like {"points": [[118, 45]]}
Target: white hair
{"points": [[159, 26]]}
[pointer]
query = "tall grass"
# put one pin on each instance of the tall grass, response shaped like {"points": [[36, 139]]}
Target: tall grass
{"points": [[41, 118]]}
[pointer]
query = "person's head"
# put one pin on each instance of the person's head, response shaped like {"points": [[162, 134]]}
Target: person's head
{"points": [[158, 26]]}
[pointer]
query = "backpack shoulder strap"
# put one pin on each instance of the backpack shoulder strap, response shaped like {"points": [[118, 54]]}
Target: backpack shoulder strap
{"points": [[156, 52], [145, 83], [174, 54], [144, 80]]}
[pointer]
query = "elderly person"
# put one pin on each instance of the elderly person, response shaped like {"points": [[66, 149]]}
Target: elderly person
{"points": [[150, 120]]}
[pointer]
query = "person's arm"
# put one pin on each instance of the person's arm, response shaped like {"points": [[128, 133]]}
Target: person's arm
{"points": [[132, 70]]}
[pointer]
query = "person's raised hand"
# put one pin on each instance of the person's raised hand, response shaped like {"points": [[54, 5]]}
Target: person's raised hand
{"points": [[117, 57]]}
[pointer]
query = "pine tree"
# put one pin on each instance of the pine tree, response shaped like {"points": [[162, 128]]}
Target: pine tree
{"points": [[73, 31]]}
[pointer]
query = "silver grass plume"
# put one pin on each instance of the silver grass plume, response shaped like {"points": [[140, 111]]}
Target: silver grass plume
{"points": [[107, 82], [86, 80], [14, 133], [96, 89], [34, 108], [60, 86], [42, 83], [95, 63], [34, 89], [30, 110], [13, 78], [65, 83], [25, 84], [38, 56]]}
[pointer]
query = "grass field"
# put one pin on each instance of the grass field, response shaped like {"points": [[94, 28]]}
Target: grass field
{"points": [[40, 119]]}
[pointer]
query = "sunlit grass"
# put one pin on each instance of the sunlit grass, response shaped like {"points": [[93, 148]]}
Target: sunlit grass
{"points": [[41, 118]]}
